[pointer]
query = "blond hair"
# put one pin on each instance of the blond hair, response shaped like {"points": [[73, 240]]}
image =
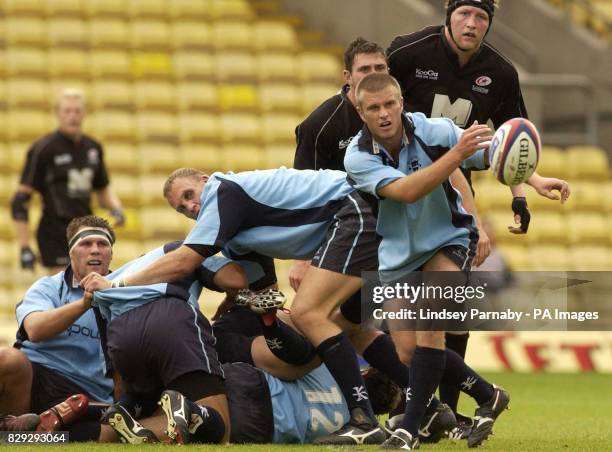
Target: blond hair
{"points": [[69, 93]]}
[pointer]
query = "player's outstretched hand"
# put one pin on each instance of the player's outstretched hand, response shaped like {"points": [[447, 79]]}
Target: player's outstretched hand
{"points": [[477, 136], [547, 186], [483, 248], [522, 216], [94, 281]]}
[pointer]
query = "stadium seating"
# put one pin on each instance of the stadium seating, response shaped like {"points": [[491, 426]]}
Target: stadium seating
{"points": [[155, 95], [197, 96], [106, 8], [66, 32], [191, 35], [26, 30], [111, 94], [27, 93], [113, 124], [75, 8], [22, 61], [549, 258], [69, 63], [110, 64], [279, 97], [108, 32], [587, 162]]}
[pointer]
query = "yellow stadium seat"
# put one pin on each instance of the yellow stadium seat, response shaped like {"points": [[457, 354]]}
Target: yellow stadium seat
{"points": [[242, 158], [155, 95], [205, 157], [25, 31], [121, 157], [22, 61], [3, 131], [68, 63], [553, 162], [315, 93], [127, 189], [151, 190], [232, 35], [5, 158], [587, 162], [549, 258], [28, 93], [240, 128], [190, 65], [190, 9], [25, 7], [18, 151], [231, 9], [547, 228], [586, 196], [110, 64], [237, 97], [158, 158], [199, 128], [107, 8], [586, 227], [108, 33], [6, 226], [6, 256], [28, 125], [157, 126], [235, 67], [319, 66], [591, 258], [516, 257], [277, 155], [500, 220], [125, 251], [279, 97], [279, 127], [275, 35], [112, 94], [192, 35], [65, 32], [150, 35], [163, 223], [158, 9], [492, 195], [277, 66], [66, 8], [7, 187], [607, 198], [197, 96], [114, 124], [151, 65]]}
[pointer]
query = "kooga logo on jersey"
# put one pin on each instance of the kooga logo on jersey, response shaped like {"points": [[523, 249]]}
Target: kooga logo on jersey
{"points": [[429, 74]]}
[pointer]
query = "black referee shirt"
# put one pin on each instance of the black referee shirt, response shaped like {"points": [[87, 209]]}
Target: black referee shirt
{"points": [[432, 82], [322, 138], [65, 173]]}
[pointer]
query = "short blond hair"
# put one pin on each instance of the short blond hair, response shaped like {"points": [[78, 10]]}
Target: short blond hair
{"points": [[181, 173], [69, 93], [376, 82]]}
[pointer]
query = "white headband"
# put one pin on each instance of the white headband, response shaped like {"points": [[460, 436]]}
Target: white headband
{"points": [[99, 233]]}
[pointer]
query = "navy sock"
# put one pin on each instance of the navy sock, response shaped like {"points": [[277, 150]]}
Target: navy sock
{"points": [[462, 376], [339, 356], [381, 355], [209, 428], [425, 373], [449, 393], [286, 343], [83, 431]]}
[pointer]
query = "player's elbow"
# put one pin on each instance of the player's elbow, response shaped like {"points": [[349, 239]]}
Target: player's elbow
{"points": [[231, 277]]}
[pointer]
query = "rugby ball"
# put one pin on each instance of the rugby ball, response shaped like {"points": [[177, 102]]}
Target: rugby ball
{"points": [[514, 151]]}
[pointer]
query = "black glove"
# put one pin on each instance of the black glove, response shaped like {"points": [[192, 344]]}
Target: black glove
{"points": [[119, 216], [519, 207], [27, 258]]}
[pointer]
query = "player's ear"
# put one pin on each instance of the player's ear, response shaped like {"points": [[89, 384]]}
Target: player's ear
{"points": [[204, 178], [346, 75]]}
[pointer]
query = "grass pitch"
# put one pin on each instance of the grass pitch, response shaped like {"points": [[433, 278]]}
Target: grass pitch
{"points": [[548, 412]]}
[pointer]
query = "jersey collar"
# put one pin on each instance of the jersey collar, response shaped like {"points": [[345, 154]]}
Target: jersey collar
{"points": [[369, 144]]}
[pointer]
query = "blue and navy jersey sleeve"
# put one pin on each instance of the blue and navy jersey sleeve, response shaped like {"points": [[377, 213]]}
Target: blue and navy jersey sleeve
{"points": [[40, 297], [366, 172]]}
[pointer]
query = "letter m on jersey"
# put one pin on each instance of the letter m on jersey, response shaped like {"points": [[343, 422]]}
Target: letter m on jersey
{"points": [[459, 111]]}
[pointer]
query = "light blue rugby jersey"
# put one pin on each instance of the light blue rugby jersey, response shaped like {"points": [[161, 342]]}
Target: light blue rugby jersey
{"points": [[281, 213], [114, 302], [75, 353], [307, 408], [412, 232]]}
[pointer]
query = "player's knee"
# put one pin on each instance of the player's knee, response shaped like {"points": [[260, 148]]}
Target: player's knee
{"points": [[12, 361], [405, 354]]}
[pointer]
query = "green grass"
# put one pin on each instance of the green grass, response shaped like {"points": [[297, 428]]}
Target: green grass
{"points": [[548, 412]]}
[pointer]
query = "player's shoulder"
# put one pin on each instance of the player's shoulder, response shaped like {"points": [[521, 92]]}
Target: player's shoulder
{"points": [[325, 110], [499, 60], [414, 41], [47, 285], [45, 142], [91, 142], [430, 130]]}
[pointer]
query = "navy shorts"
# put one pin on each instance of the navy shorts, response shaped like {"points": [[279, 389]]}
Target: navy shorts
{"points": [[235, 331], [154, 344], [50, 388], [351, 245], [250, 404], [52, 242]]}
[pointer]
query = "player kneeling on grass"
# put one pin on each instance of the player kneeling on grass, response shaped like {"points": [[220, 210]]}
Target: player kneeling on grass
{"points": [[411, 164], [57, 352]]}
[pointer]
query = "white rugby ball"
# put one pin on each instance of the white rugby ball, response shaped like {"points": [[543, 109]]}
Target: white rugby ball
{"points": [[514, 151]]}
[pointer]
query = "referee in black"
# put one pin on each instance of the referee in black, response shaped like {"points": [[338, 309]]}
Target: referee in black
{"points": [[451, 71], [322, 138], [64, 167]]}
